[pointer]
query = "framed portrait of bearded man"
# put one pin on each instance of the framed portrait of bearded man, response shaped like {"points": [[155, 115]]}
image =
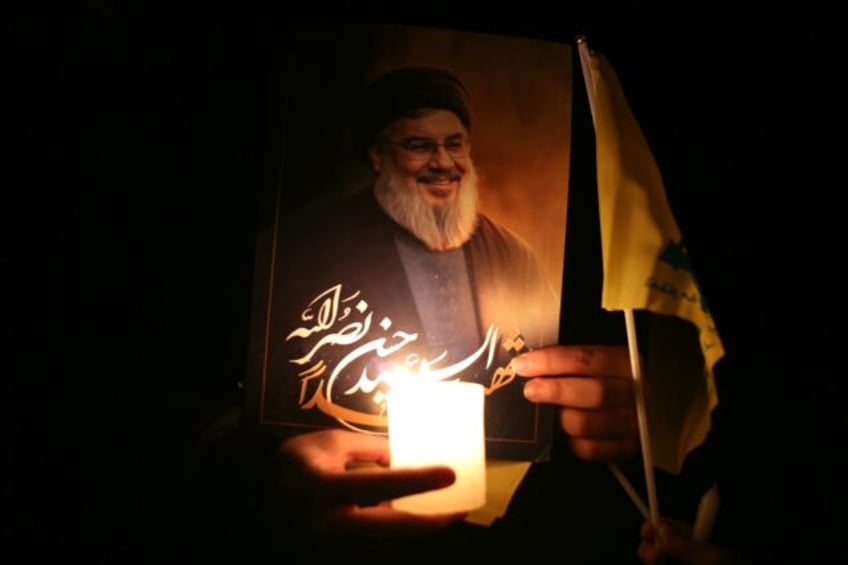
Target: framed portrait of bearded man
{"points": [[413, 225]]}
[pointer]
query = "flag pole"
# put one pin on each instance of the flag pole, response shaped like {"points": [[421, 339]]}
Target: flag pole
{"points": [[641, 414], [631, 492], [635, 363]]}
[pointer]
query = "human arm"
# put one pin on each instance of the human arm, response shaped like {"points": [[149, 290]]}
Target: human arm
{"points": [[258, 492]]}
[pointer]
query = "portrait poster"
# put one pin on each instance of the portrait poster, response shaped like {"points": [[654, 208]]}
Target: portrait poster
{"points": [[345, 297]]}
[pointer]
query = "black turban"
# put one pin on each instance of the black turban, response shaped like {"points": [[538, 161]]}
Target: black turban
{"points": [[398, 92]]}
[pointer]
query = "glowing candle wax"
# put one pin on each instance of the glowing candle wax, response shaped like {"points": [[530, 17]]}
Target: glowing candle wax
{"points": [[439, 423]]}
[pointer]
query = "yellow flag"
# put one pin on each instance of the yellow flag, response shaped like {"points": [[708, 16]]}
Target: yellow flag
{"points": [[646, 267]]}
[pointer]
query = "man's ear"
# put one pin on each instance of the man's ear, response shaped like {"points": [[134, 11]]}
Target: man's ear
{"points": [[376, 158]]}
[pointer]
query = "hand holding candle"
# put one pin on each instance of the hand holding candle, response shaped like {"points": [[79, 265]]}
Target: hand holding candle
{"points": [[345, 503]]}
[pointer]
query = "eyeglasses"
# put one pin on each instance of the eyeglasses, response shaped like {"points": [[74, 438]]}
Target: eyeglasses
{"points": [[419, 148]]}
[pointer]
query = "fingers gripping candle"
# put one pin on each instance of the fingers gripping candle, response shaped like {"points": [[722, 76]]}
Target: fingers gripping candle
{"points": [[439, 423]]}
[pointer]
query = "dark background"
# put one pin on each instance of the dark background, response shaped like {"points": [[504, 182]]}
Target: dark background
{"points": [[146, 138]]}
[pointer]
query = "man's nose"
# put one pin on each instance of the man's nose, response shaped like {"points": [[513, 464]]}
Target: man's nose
{"points": [[441, 159]]}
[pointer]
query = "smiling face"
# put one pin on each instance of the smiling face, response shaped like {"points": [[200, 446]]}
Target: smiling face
{"points": [[425, 177], [427, 150]]}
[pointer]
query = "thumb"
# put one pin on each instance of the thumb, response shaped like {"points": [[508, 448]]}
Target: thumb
{"points": [[370, 487]]}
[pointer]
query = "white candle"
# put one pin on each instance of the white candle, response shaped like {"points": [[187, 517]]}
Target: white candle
{"points": [[439, 423]]}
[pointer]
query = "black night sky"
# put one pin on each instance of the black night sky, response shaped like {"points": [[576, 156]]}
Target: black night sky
{"points": [[138, 233]]}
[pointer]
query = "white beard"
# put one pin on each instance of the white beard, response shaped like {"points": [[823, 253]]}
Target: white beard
{"points": [[438, 227]]}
